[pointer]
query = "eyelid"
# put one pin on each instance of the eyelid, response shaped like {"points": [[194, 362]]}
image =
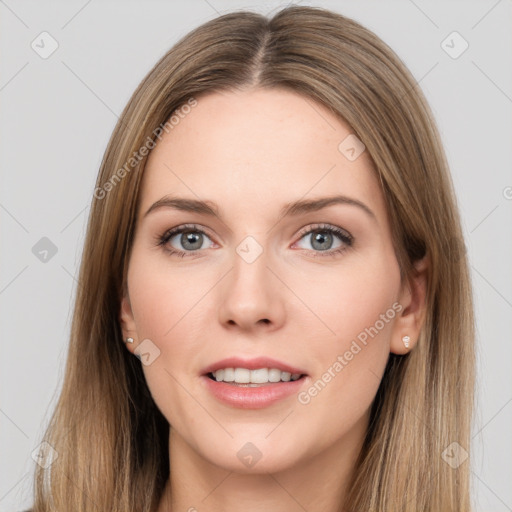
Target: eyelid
{"points": [[188, 227], [319, 226]]}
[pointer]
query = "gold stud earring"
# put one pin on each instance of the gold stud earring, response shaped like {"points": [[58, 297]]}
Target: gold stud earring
{"points": [[406, 340]]}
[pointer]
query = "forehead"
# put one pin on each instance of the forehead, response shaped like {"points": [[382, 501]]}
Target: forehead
{"points": [[258, 149]]}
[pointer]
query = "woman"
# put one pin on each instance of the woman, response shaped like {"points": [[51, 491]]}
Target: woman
{"points": [[275, 308]]}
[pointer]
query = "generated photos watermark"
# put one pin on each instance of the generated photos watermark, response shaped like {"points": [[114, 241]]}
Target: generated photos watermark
{"points": [[179, 114], [342, 360]]}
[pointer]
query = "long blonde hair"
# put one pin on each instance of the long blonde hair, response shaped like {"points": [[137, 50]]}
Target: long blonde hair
{"points": [[111, 440]]}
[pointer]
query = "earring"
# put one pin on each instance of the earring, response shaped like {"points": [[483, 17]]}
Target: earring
{"points": [[406, 340], [129, 340]]}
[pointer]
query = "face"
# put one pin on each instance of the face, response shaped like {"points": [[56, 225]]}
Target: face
{"points": [[312, 289]]}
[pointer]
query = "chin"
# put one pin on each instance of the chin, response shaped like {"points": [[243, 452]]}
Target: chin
{"points": [[251, 453]]}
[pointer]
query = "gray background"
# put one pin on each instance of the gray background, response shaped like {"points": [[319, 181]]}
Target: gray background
{"points": [[57, 116]]}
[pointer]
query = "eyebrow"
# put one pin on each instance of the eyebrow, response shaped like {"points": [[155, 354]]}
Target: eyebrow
{"points": [[295, 208]]}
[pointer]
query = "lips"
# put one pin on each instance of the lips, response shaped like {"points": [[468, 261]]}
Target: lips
{"points": [[253, 396]]}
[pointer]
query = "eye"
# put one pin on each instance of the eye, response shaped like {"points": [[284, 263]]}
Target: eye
{"points": [[184, 239], [326, 239]]}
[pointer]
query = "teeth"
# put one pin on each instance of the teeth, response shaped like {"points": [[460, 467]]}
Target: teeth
{"points": [[242, 375], [229, 375], [274, 375], [259, 376]]}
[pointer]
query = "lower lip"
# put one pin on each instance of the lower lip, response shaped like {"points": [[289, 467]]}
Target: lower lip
{"points": [[252, 397]]}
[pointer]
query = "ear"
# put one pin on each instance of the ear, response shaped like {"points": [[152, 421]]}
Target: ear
{"points": [[414, 308], [126, 318]]}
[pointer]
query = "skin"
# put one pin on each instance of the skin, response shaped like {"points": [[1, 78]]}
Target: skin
{"points": [[252, 152]]}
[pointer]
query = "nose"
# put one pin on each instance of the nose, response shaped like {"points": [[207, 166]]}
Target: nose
{"points": [[251, 297]]}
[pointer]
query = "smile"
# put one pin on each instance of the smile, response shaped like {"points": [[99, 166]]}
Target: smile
{"points": [[245, 376]]}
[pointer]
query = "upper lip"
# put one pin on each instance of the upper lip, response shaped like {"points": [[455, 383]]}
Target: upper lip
{"points": [[251, 364]]}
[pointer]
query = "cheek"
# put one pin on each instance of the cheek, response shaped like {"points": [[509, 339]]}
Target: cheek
{"points": [[348, 301], [163, 302], [166, 300], [171, 309], [357, 308]]}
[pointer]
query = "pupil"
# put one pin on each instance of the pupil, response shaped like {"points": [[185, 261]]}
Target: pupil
{"points": [[192, 240], [321, 237]]}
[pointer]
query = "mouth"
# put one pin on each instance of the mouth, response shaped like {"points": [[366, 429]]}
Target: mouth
{"points": [[253, 384], [244, 377]]}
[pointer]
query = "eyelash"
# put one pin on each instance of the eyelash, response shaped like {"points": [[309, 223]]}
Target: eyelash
{"points": [[343, 235]]}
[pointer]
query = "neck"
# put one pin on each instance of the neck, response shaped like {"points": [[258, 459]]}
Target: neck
{"points": [[318, 484]]}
